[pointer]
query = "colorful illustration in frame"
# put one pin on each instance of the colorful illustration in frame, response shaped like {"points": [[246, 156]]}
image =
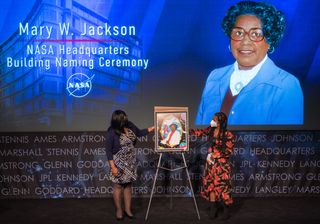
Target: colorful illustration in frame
{"points": [[171, 125]]}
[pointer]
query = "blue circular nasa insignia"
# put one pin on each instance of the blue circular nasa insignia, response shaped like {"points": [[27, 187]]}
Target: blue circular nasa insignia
{"points": [[79, 85]]}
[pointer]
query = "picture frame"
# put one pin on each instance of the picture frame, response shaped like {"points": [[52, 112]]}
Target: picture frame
{"points": [[171, 129]]}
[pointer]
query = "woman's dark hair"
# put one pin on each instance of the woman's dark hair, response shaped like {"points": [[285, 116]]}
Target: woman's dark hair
{"points": [[175, 125], [273, 21], [119, 121], [223, 121]]}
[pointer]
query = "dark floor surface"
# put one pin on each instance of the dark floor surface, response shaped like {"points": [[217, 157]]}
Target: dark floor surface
{"points": [[95, 211]]}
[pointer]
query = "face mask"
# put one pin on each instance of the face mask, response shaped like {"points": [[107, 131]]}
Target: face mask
{"points": [[213, 123]]}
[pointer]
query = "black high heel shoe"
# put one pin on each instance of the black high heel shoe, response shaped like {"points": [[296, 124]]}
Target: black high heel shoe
{"points": [[129, 216], [119, 218]]}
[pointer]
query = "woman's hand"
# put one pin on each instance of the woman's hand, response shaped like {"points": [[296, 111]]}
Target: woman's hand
{"points": [[114, 171], [151, 129]]}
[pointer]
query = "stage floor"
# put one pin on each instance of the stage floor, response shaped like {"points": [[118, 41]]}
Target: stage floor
{"points": [[95, 211]]}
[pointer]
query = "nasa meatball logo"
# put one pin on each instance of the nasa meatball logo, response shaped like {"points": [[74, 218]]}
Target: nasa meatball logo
{"points": [[79, 85]]}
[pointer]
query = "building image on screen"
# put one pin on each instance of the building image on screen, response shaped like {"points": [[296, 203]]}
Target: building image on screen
{"points": [[43, 83]]}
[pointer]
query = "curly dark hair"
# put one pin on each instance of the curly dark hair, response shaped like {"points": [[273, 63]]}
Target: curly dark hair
{"points": [[223, 121], [273, 21]]}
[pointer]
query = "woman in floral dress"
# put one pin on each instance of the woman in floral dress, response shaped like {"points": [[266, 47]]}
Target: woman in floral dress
{"points": [[216, 180]]}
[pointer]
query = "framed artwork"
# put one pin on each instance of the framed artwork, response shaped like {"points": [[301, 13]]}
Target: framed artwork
{"points": [[171, 129]]}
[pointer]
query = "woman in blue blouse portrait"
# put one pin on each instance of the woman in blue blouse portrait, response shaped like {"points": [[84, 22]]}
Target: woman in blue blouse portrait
{"points": [[253, 90]]}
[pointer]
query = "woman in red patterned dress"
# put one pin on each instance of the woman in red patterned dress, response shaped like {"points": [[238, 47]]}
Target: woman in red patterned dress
{"points": [[216, 181]]}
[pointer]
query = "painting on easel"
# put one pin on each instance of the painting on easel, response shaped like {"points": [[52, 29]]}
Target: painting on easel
{"points": [[171, 125]]}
